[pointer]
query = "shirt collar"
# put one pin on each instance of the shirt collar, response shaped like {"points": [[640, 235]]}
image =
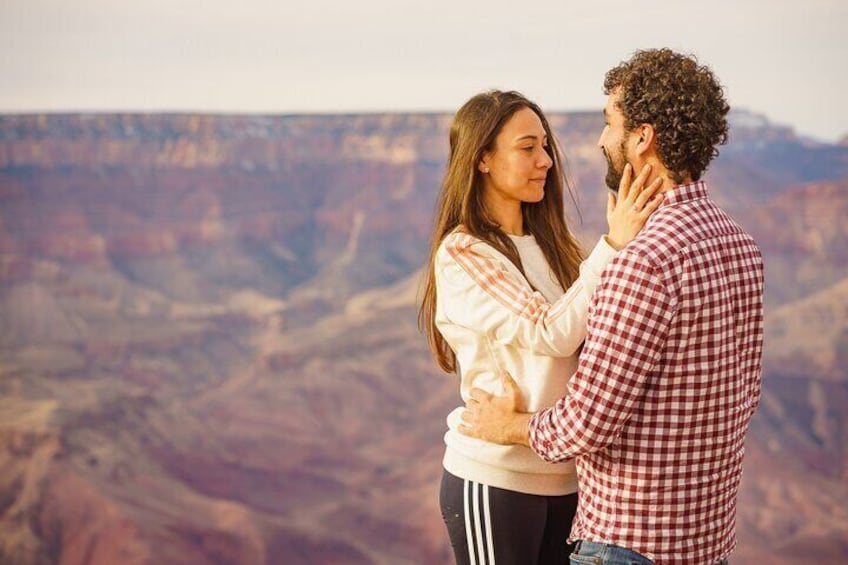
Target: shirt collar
{"points": [[685, 192]]}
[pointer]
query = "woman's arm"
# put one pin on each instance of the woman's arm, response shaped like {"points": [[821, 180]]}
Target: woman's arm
{"points": [[477, 289]]}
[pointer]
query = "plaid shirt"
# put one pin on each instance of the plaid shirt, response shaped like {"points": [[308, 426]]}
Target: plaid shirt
{"points": [[667, 382]]}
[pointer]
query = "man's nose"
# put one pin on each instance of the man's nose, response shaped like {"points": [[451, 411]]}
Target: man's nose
{"points": [[601, 137]]}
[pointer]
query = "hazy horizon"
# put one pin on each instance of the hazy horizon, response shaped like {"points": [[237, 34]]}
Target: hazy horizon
{"points": [[265, 57]]}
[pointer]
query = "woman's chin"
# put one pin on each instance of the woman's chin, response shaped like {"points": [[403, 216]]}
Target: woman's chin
{"points": [[534, 196]]}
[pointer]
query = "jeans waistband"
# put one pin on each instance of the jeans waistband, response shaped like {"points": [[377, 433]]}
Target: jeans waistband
{"points": [[613, 554]]}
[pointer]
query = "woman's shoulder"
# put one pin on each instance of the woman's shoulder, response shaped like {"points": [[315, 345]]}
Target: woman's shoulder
{"points": [[460, 242], [460, 239]]}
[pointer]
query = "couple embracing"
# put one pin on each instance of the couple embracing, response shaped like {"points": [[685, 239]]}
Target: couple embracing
{"points": [[607, 396]]}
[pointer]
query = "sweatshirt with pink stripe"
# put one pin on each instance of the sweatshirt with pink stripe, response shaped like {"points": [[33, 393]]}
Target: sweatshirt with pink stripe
{"points": [[496, 322]]}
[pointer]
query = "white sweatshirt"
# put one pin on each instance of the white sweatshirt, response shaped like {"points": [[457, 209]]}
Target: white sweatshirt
{"points": [[494, 322]]}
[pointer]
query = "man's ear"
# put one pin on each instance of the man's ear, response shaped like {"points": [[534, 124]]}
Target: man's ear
{"points": [[647, 139]]}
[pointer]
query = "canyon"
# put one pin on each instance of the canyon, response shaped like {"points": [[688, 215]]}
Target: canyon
{"points": [[209, 351]]}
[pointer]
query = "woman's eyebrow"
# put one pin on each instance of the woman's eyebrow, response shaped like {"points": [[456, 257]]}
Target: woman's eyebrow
{"points": [[530, 136]]}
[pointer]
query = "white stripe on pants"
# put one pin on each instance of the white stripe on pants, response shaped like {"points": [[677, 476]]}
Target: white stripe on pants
{"points": [[475, 542]]}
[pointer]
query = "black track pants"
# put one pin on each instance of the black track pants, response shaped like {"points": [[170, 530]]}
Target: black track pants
{"points": [[492, 526]]}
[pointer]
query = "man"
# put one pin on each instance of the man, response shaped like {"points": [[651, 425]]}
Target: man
{"points": [[669, 375]]}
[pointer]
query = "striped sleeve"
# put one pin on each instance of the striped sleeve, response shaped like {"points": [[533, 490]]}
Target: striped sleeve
{"points": [[478, 290], [626, 336]]}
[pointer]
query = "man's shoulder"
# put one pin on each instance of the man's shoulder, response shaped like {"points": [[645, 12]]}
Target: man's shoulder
{"points": [[680, 234], [647, 250], [677, 230]]}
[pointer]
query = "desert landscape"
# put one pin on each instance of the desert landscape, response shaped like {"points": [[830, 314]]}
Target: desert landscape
{"points": [[209, 352]]}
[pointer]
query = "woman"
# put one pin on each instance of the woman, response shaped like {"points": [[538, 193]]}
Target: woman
{"points": [[494, 301]]}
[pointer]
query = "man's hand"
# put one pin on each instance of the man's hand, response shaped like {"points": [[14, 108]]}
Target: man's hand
{"points": [[498, 419]]}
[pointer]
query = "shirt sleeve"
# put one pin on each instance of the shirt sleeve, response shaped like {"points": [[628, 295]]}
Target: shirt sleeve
{"points": [[478, 290], [627, 332]]}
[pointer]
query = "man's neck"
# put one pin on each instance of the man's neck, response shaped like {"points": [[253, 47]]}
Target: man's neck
{"points": [[661, 171]]}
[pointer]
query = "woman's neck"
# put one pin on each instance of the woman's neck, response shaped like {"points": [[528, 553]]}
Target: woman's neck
{"points": [[507, 214]]}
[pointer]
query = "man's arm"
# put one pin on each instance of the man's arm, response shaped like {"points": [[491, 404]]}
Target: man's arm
{"points": [[628, 330]]}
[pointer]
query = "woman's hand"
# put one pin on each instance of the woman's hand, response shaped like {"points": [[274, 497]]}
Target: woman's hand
{"points": [[627, 213]]}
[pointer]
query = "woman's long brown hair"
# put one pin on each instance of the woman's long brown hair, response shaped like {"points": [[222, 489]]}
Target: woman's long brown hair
{"points": [[473, 132]]}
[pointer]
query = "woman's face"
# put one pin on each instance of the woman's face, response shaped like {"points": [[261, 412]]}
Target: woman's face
{"points": [[517, 168]]}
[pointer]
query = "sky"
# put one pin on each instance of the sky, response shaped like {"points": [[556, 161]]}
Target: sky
{"points": [[784, 59]]}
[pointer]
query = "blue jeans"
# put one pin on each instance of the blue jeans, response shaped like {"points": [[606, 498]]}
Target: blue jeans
{"points": [[591, 553]]}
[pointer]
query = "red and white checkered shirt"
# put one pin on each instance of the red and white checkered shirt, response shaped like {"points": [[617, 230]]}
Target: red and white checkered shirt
{"points": [[667, 382]]}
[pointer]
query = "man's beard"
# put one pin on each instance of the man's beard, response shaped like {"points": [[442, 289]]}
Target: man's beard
{"points": [[614, 173]]}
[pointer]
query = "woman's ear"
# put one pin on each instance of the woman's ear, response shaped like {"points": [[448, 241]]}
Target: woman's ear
{"points": [[483, 165]]}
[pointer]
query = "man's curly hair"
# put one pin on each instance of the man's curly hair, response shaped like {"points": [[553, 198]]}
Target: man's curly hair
{"points": [[681, 99]]}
